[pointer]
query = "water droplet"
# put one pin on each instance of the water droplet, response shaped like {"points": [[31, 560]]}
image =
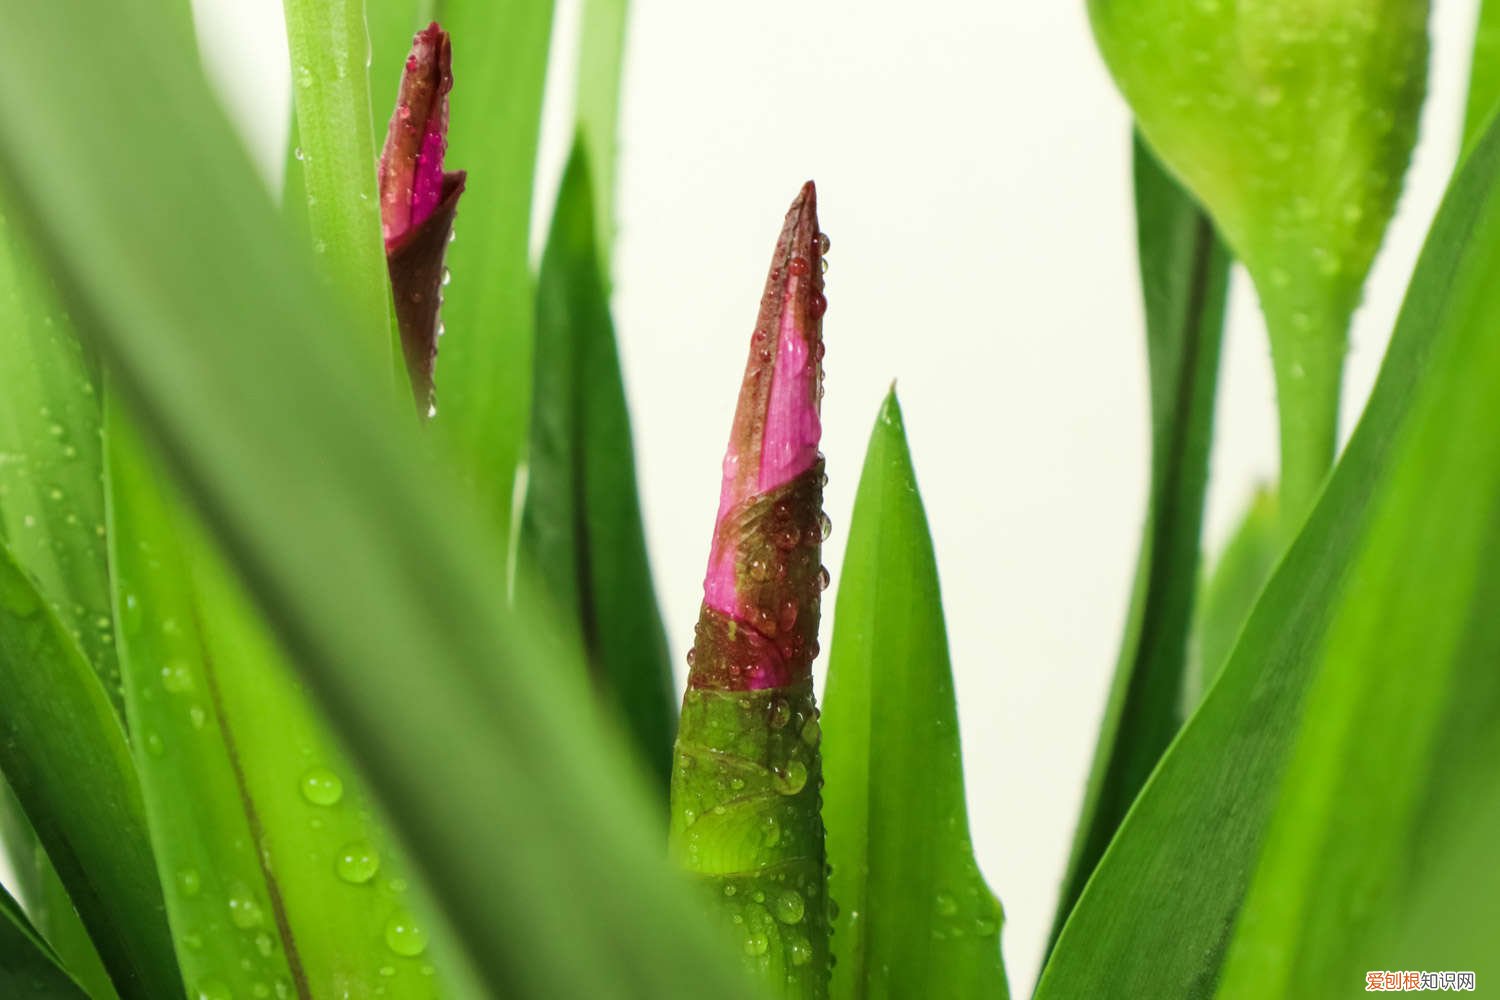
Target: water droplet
{"points": [[265, 945], [822, 242], [322, 787], [189, 881], [154, 745], [403, 936], [817, 305], [985, 926], [765, 622], [447, 277], [214, 990], [197, 716], [759, 570], [812, 732], [781, 713], [825, 526], [358, 862], [823, 578], [946, 905], [822, 265], [801, 950], [298, 154], [798, 267], [789, 907], [757, 944], [730, 890], [244, 912], [692, 657], [788, 616], [770, 832], [787, 537], [177, 677], [791, 779]]}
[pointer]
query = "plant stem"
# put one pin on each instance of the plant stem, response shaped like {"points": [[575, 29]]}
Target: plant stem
{"points": [[1308, 320], [330, 86]]}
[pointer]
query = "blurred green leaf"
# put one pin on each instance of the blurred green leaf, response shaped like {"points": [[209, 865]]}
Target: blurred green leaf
{"points": [[1382, 579], [582, 529], [1484, 72], [62, 749], [484, 367], [52, 515], [915, 917], [601, 57], [330, 52], [28, 967], [276, 875], [1229, 592], [1184, 278], [376, 570]]}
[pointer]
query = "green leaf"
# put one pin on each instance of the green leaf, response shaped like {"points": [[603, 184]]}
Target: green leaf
{"points": [[915, 917], [601, 58], [1158, 915], [52, 515], [1229, 593], [63, 751], [264, 837], [1184, 278], [28, 967], [582, 528], [373, 566], [485, 365], [1484, 73], [330, 51]]}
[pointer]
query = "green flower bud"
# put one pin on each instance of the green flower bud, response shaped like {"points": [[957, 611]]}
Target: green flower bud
{"points": [[1292, 121]]}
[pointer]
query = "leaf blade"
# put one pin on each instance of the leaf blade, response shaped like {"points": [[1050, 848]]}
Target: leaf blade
{"points": [[27, 964], [915, 915], [1187, 851], [1184, 278], [582, 528]]}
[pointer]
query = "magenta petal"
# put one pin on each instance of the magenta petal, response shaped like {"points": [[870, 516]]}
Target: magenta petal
{"points": [[427, 183]]}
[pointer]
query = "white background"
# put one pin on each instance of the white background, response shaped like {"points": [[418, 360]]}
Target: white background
{"points": [[972, 163]]}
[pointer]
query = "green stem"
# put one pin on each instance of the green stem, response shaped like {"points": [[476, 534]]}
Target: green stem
{"points": [[1308, 321], [330, 86]]}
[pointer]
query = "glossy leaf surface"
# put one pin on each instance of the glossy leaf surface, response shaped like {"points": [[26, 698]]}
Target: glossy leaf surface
{"points": [[1217, 804], [914, 917]]}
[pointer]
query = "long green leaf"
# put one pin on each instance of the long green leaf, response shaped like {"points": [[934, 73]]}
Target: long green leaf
{"points": [[485, 364], [52, 515], [1184, 278], [1186, 854], [275, 874], [582, 527], [28, 967], [915, 917], [63, 751], [601, 60], [330, 49], [376, 572], [1484, 72], [391, 23], [1398, 753]]}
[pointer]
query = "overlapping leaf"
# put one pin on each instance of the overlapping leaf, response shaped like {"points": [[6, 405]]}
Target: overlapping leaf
{"points": [[1382, 608], [581, 530], [376, 571], [1184, 276]]}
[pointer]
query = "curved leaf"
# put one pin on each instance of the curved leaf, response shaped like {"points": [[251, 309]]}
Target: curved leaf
{"points": [[63, 751], [581, 529], [28, 967], [915, 917], [1158, 915], [1184, 278]]}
